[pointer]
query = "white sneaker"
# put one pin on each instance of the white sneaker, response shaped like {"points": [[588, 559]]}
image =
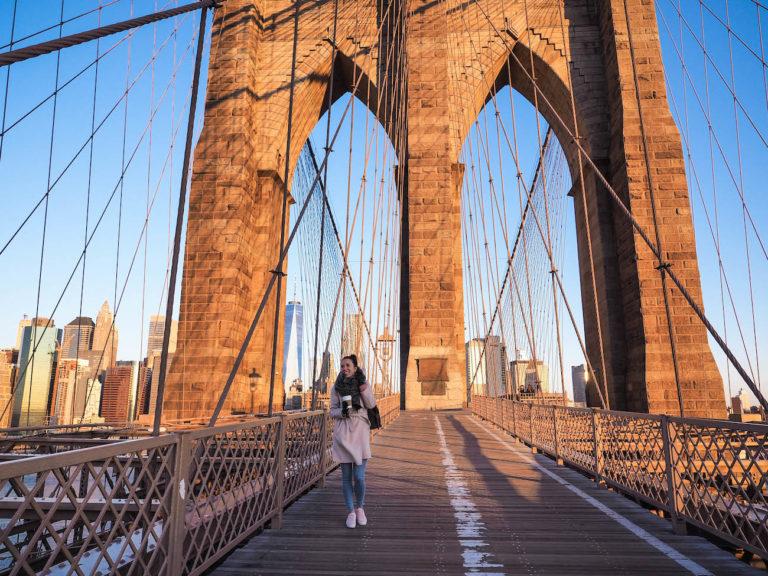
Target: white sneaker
{"points": [[351, 520], [361, 519]]}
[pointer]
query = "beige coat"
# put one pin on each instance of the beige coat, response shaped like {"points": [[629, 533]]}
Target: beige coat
{"points": [[352, 436]]}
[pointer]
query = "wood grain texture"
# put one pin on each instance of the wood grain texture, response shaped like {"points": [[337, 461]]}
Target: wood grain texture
{"points": [[534, 525]]}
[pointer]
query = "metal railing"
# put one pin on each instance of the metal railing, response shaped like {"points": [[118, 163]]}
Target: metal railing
{"points": [[712, 474], [167, 505]]}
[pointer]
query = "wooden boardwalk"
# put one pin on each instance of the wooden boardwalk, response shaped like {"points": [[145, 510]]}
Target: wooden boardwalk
{"points": [[449, 495]]}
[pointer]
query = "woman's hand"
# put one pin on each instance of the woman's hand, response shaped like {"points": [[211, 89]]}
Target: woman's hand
{"points": [[363, 387]]}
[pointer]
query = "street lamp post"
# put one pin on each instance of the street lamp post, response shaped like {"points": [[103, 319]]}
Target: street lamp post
{"points": [[385, 344], [254, 378]]}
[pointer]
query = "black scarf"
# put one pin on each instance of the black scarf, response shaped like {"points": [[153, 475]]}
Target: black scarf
{"points": [[351, 387]]}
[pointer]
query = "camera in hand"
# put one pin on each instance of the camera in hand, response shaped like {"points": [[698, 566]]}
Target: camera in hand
{"points": [[346, 405]]}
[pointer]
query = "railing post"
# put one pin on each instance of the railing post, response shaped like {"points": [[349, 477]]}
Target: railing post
{"points": [[678, 524], [324, 448], [180, 491], [503, 415], [530, 427], [598, 448], [556, 436], [514, 419], [277, 520]]}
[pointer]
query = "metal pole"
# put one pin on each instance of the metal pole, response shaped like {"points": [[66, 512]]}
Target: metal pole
{"points": [[556, 436], [324, 447], [13, 56], [284, 211], [180, 488], [598, 451], [179, 221], [277, 520], [514, 419], [678, 524]]}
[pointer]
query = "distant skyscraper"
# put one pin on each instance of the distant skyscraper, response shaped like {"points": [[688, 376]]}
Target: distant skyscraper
{"points": [[93, 401], [23, 323], [145, 389], [35, 374], [153, 371], [155, 338], [77, 338], [579, 380], [486, 363], [354, 338], [120, 392], [70, 390], [294, 342], [8, 359], [105, 337], [476, 373], [529, 376]]}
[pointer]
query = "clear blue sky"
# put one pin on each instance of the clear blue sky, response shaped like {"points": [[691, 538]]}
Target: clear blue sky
{"points": [[24, 166]]}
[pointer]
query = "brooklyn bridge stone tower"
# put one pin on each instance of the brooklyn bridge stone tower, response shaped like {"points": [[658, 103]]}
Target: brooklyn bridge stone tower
{"points": [[592, 83]]}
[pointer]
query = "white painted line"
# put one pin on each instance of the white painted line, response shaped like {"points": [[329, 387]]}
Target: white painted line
{"points": [[469, 522], [647, 537]]}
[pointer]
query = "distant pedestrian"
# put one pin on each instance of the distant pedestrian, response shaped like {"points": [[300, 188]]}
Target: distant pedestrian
{"points": [[351, 397]]}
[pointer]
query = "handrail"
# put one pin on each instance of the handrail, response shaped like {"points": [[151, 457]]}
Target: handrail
{"points": [[706, 473], [186, 498]]}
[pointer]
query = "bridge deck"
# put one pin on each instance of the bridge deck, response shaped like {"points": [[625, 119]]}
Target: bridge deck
{"points": [[475, 502]]}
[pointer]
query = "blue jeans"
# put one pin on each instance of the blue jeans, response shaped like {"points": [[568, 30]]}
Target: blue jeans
{"points": [[354, 496]]}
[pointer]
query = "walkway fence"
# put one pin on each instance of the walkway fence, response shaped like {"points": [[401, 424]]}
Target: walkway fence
{"points": [[166, 505], [712, 474]]}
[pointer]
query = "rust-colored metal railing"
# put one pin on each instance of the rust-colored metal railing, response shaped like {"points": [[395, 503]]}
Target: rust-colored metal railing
{"points": [[168, 505], [712, 474]]}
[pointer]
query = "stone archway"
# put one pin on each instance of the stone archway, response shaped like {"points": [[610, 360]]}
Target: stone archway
{"points": [[593, 37], [239, 177]]}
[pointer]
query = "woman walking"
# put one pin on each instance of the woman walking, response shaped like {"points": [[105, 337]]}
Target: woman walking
{"points": [[351, 396]]}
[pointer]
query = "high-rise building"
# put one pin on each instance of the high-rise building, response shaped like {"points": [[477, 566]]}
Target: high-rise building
{"points": [[495, 366], [579, 380], [23, 323], [476, 373], [93, 402], [155, 337], [326, 372], [8, 359], [105, 337], [77, 338], [487, 365], [70, 388], [145, 390], [293, 346], [153, 378], [354, 338], [118, 392], [154, 351], [37, 361], [529, 376]]}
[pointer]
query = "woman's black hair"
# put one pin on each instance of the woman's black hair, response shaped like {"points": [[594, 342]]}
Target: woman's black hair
{"points": [[352, 358]]}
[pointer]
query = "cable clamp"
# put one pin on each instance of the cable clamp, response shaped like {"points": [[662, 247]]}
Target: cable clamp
{"points": [[664, 266], [278, 272]]}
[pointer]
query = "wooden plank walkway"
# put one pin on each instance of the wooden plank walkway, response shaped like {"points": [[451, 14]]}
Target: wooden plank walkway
{"points": [[448, 494]]}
